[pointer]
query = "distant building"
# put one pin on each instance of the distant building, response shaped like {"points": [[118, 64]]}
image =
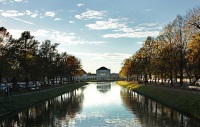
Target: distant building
{"points": [[114, 76], [91, 76], [103, 73]]}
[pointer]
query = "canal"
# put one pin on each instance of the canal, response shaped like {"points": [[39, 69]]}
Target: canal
{"points": [[99, 105]]}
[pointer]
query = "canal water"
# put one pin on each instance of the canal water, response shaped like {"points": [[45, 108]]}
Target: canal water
{"points": [[99, 105]]}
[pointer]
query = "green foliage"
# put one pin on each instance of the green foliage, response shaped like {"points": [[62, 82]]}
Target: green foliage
{"points": [[183, 101], [26, 60]]}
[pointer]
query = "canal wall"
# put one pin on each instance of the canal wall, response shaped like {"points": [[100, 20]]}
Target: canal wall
{"points": [[17, 102], [183, 101]]}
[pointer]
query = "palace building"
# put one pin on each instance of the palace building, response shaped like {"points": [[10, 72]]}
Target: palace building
{"points": [[103, 73]]}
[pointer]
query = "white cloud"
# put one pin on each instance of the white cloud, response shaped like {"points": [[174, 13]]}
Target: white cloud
{"points": [[140, 42], [66, 38], [141, 34], [41, 33], [120, 29], [50, 13], [103, 25], [20, 0], [71, 34], [80, 5], [71, 22], [16, 33], [113, 56], [56, 36], [96, 56], [91, 14], [12, 13], [149, 24], [12, 1], [32, 14], [57, 19], [147, 10]]}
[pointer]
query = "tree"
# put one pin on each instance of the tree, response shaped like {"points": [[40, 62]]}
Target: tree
{"points": [[181, 40], [193, 56], [4, 47], [126, 69], [168, 38], [4, 35], [47, 52], [193, 18], [60, 66], [27, 49], [73, 67]]}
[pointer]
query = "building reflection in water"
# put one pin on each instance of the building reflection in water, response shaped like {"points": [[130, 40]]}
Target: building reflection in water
{"points": [[103, 86], [54, 112], [154, 114]]}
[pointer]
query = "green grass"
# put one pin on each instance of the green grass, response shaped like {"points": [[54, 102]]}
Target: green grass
{"points": [[14, 103], [183, 101]]}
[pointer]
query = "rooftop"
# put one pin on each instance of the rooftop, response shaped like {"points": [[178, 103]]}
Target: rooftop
{"points": [[103, 68]]}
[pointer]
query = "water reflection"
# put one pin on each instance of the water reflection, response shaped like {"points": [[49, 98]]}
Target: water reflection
{"points": [[103, 86], [97, 105], [153, 114], [54, 112]]}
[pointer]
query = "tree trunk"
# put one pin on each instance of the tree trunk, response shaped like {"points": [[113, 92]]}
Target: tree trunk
{"points": [[161, 77], [145, 79], [60, 82]]}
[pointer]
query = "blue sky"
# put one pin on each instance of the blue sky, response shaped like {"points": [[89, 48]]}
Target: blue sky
{"points": [[100, 33]]}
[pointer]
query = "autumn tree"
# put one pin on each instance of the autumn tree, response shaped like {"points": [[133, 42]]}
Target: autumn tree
{"points": [[47, 52], [193, 18], [126, 69], [193, 56], [72, 67]]}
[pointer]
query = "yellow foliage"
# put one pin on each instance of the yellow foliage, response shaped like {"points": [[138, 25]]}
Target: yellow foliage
{"points": [[194, 48]]}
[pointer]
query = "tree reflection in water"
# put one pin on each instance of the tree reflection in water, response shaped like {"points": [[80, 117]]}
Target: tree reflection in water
{"points": [[153, 114], [54, 112], [115, 107]]}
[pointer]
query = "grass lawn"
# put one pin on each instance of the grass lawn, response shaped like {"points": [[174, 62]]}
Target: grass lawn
{"points": [[13, 103], [183, 101]]}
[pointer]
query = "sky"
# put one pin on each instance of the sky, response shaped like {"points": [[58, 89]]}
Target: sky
{"points": [[98, 32]]}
